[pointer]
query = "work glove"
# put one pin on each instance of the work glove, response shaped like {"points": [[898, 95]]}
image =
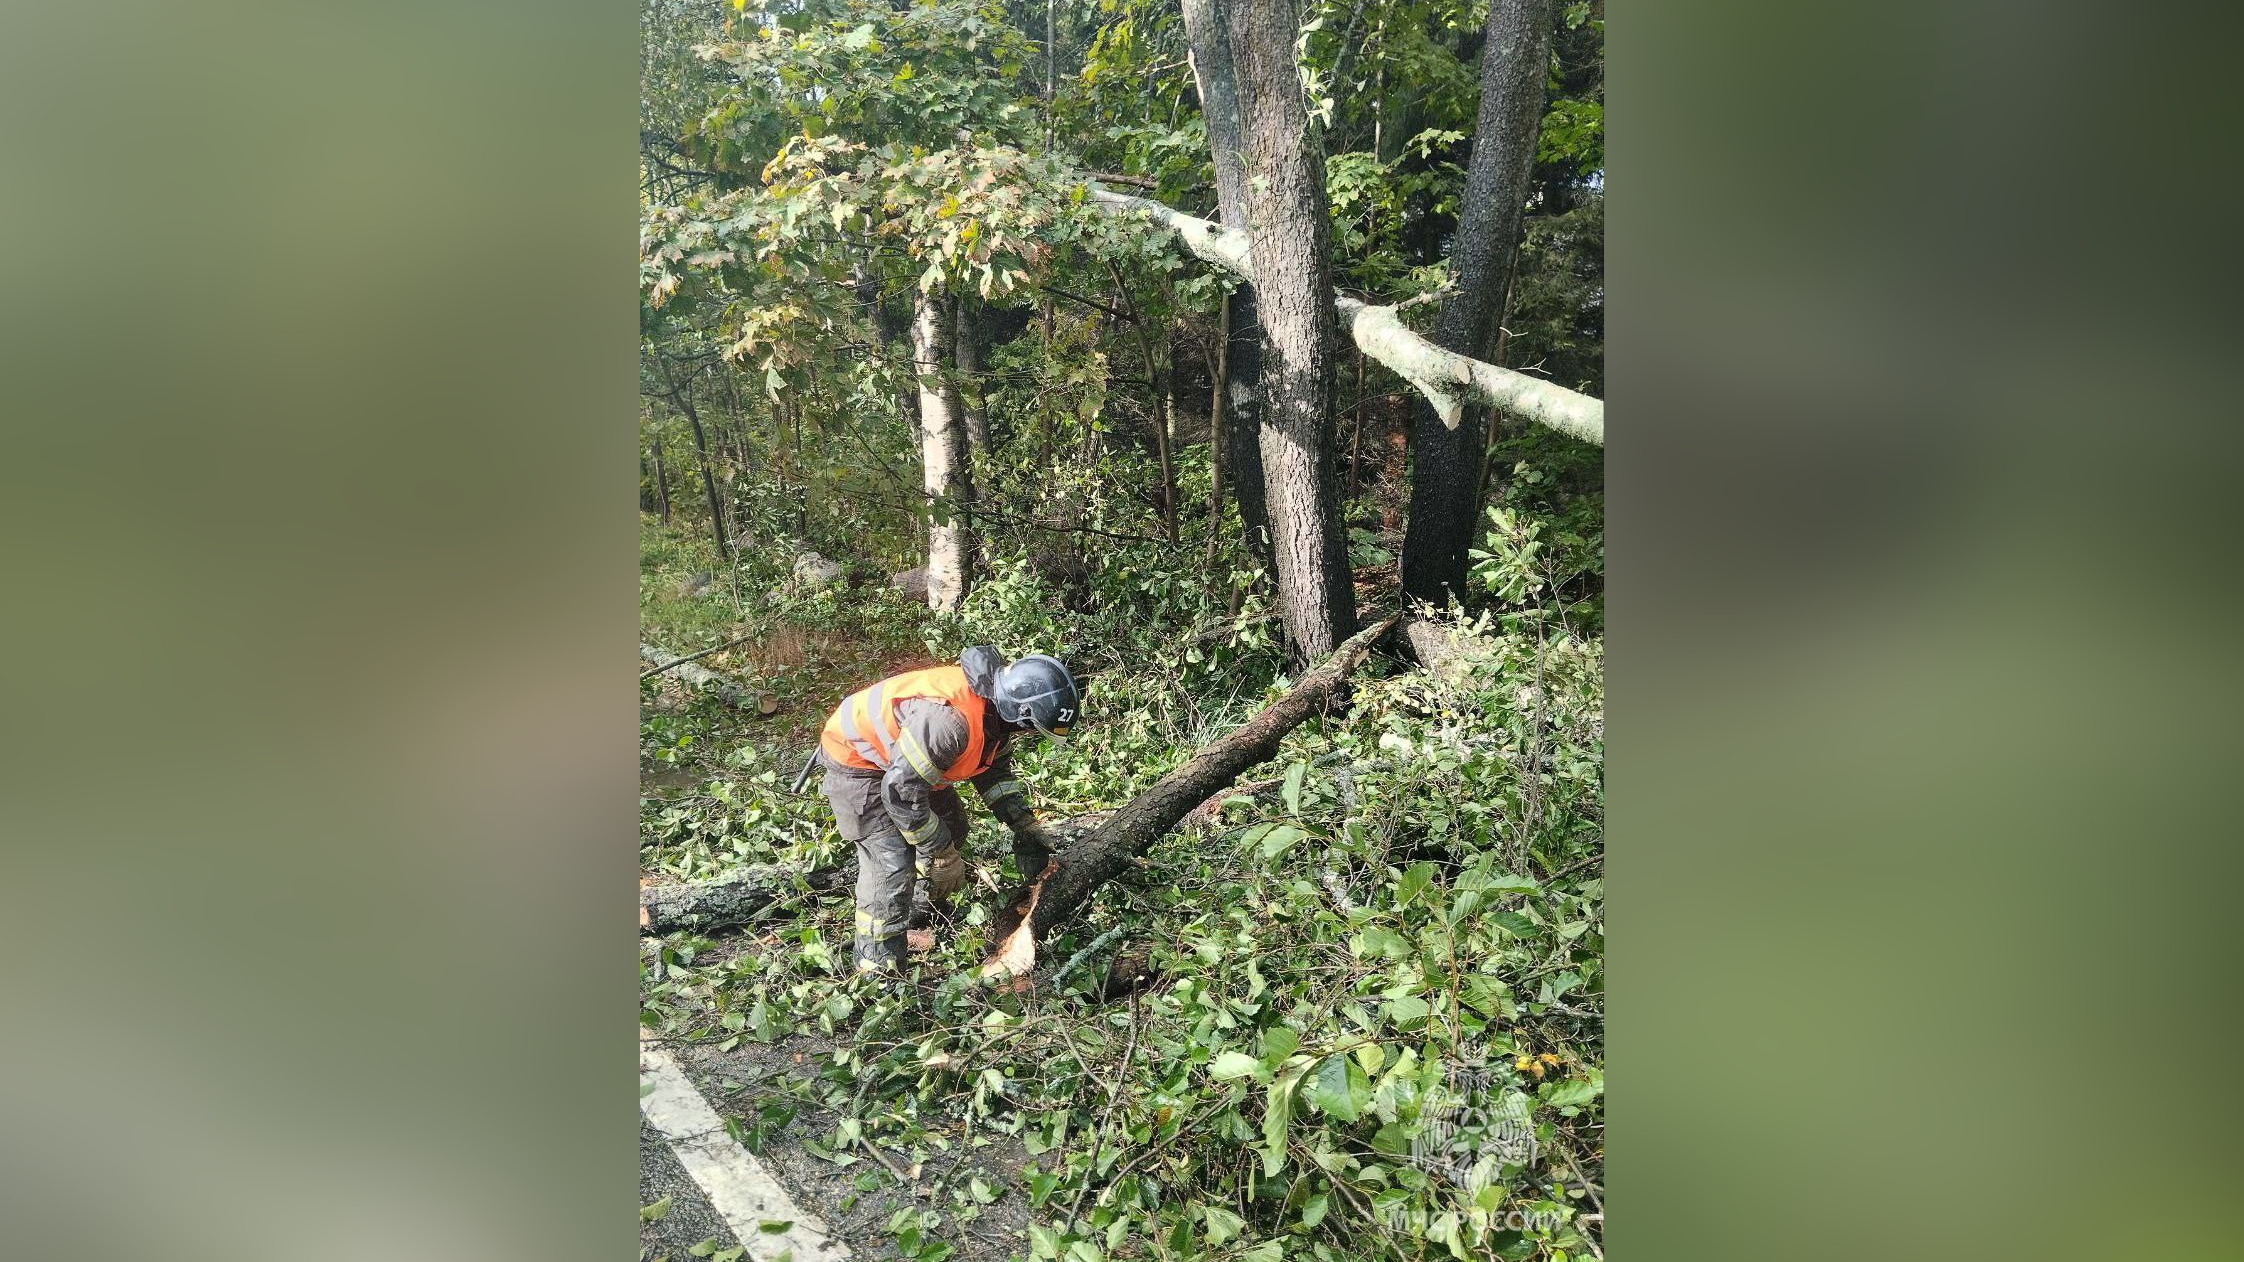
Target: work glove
{"points": [[1033, 845], [945, 871]]}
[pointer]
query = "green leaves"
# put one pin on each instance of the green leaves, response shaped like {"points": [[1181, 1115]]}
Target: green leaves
{"points": [[1276, 839], [1338, 1088], [1414, 882], [1277, 1115], [1278, 1043], [1574, 1092], [1220, 1224], [1378, 942], [859, 38], [1407, 1010], [1229, 1065], [1514, 923]]}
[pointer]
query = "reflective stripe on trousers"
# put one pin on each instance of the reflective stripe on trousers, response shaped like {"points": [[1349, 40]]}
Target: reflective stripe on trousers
{"points": [[885, 863]]}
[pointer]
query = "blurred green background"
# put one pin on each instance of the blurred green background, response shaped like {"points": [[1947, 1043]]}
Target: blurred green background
{"points": [[321, 353], [1923, 689]]}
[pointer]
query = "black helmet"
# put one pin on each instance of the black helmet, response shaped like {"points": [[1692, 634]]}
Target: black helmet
{"points": [[1037, 691]]}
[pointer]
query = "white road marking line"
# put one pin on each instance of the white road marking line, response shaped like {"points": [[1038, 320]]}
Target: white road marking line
{"points": [[739, 1188]]}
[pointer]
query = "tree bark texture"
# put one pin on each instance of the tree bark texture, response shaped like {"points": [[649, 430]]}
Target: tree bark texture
{"points": [[946, 463], [968, 354], [684, 402], [1217, 463], [730, 901], [1026, 915], [1242, 422], [1432, 646], [1217, 80], [662, 481], [1448, 380], [1289, 228], [1445, 479]]}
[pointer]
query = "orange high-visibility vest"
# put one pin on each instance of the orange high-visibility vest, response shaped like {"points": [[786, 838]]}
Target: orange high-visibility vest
{"points": [[864, 733]]}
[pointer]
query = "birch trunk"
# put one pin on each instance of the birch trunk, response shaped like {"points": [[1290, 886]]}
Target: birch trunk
{"points": [[947, 473], [1215, 76], [1448, 380]]}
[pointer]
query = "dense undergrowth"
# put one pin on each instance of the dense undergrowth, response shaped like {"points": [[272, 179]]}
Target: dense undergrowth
{"points": [[1366, 983]]}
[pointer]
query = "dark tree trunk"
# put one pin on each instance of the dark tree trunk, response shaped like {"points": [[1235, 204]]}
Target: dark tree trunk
{"points": [[1242, 421], [701, 452], [1289, 227], [1242, 395], [968, 354], [1445, 482], [1217, 463], [1162, 391], [1356, 444], [662, 481]]}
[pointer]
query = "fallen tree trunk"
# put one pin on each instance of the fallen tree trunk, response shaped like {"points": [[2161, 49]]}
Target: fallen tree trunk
{"points": [[666, 663], [727, 902], [1447, 379], [743, 897], [1025, 915]]}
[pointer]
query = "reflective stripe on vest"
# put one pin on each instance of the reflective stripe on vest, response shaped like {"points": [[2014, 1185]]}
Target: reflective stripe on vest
{"points": [[864, 732]]}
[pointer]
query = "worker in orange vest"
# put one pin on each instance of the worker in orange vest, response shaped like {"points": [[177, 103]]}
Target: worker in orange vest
{"points": [[893, 753]]}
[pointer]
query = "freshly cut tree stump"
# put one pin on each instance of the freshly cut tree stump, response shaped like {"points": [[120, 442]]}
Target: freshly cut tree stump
{"points": [[1435, 648], [1024, 916]]}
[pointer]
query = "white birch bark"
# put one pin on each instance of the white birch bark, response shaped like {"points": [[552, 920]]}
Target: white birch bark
{"points": [[1448, 380], [947, 471]]}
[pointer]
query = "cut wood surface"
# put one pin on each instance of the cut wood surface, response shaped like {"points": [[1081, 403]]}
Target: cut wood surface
{"points": [[1447, 379], [1434, 647], [1024, 916]]}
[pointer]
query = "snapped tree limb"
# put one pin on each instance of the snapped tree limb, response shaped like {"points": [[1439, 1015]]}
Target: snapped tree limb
{"points": [[734, 900], [1448, 380], [761, 702], [1023, 916]]}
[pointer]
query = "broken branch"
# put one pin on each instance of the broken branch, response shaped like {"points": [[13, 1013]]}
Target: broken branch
{"points": [[1026, 915]]}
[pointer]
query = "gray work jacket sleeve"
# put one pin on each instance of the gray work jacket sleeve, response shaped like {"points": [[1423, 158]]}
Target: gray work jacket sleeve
{"points": [[1003, 794], [932, 738]]}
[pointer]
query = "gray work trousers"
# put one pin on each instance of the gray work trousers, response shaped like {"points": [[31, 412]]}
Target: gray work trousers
{"points": [[888, 867]]}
